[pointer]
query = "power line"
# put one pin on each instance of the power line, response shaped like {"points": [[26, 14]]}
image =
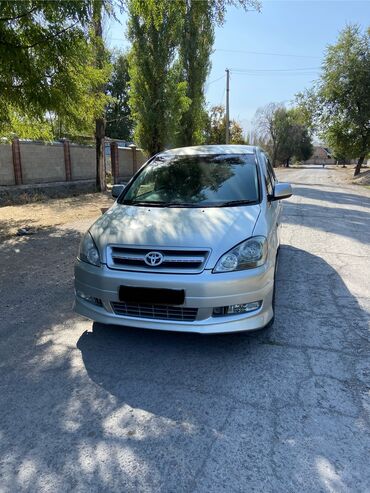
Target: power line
{"points": [[266, 53], [277, 74], [215, 80], [257, 70], [306, 74]]}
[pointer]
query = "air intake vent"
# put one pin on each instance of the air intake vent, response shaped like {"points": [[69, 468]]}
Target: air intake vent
{"points": [[159, 312]]}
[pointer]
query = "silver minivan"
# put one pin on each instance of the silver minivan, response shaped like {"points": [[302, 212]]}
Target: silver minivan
{"points": [[190, 244]]}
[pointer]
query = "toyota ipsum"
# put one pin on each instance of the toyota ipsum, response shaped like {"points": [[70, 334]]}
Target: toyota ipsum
{"points": [[190, 244]]}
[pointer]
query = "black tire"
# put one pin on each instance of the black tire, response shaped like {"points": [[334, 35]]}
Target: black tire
{"points": [[271, 322]]}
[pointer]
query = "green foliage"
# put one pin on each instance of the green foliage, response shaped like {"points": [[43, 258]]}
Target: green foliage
{"points": [[26, 127], [118, 113], [169, 64], [295, 139], [283, 133], [194, 53], [157, 95], [339, 104], [47, 70], [216, 128], [219, 8]]}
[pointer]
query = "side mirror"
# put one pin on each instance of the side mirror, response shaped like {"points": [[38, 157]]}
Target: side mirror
{"points": [[282, 191], [117, 190]]}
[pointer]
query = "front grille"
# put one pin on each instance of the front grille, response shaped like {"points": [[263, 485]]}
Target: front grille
{"points": [[159, 312], [174, 260]]}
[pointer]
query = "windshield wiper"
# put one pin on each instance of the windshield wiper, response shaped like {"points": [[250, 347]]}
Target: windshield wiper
{"points": [[159, 204], [145, 202], [185, 204], [236, 202]]}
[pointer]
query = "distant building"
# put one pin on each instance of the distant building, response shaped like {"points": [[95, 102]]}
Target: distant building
{"points": [[321, 155]]}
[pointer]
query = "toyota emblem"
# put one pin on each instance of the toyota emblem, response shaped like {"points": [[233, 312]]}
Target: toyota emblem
{"points": [[153, 259]]}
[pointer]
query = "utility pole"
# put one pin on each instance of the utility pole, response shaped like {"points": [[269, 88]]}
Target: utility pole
{"points": [[227, 106]]}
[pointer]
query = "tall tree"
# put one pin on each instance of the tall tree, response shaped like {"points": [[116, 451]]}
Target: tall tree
{"points": [[170, 61], [119, 121], [296, 141], [268, 124], [197, 36], [283, 133], [100, 61], [195, 50], [339, 103], [157, 98]]}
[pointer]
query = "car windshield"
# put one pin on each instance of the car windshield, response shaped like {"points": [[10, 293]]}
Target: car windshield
{"points": [[195, 181]]}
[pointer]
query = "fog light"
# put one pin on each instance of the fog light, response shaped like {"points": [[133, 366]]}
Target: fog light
{"points": [[90, 299], [245, 307], [236, 309]]}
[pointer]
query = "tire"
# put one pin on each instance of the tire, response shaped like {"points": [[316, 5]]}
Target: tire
{"points": [[271, 322]]}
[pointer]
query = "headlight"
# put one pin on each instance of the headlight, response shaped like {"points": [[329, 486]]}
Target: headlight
{"points": [[88, 251], [247, 255]]}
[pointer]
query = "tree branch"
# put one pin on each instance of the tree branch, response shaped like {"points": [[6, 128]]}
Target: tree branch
{"points": [[43, 41], [6, 19]]}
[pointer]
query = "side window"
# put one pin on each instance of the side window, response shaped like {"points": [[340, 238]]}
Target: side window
{"points": [[269, 179], [271, 170]]}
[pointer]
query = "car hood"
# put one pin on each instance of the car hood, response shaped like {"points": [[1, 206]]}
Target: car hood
{"points": [[216, 228]]}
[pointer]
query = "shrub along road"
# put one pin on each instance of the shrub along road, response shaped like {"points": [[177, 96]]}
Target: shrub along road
{"points": [[90, 408]]}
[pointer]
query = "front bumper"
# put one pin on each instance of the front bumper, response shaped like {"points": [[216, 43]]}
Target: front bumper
{"points": [[203, 291]]}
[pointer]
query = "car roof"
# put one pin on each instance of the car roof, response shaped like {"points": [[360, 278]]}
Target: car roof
{"points": [[210, 149]]}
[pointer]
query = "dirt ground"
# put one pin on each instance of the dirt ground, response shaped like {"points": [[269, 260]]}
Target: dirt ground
{"points": [[363, 178], [53, 212]]}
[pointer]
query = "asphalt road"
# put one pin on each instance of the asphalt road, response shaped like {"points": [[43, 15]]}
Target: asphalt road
{"points": [[87, 408]]}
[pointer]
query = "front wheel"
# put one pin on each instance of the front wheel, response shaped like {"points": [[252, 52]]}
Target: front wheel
{"points": [[271, 322]]}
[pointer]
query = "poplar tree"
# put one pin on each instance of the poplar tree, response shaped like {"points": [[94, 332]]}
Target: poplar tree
{"points": [[169, 64], [195, 48], [157, 97]]}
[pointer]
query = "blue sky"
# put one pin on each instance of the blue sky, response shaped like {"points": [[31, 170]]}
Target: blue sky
{"points": [[301, 29]]}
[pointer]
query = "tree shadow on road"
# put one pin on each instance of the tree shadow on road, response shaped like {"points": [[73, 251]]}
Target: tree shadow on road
{"points": [[188, 378], [336, 197], [132, 410], [346, 221]]}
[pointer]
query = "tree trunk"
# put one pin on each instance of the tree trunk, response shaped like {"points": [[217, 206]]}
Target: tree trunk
{"points": [[359, 164], [101, 185], [100, 121]]}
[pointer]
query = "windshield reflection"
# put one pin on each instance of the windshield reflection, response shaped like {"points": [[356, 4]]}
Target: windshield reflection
{"points": [[202, 180]]}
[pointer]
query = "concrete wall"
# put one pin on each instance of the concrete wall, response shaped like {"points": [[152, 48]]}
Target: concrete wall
{"points": [[45, 163], [141, 158], [83, 162], [42, 163], [6, 165], [127, 166]]}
